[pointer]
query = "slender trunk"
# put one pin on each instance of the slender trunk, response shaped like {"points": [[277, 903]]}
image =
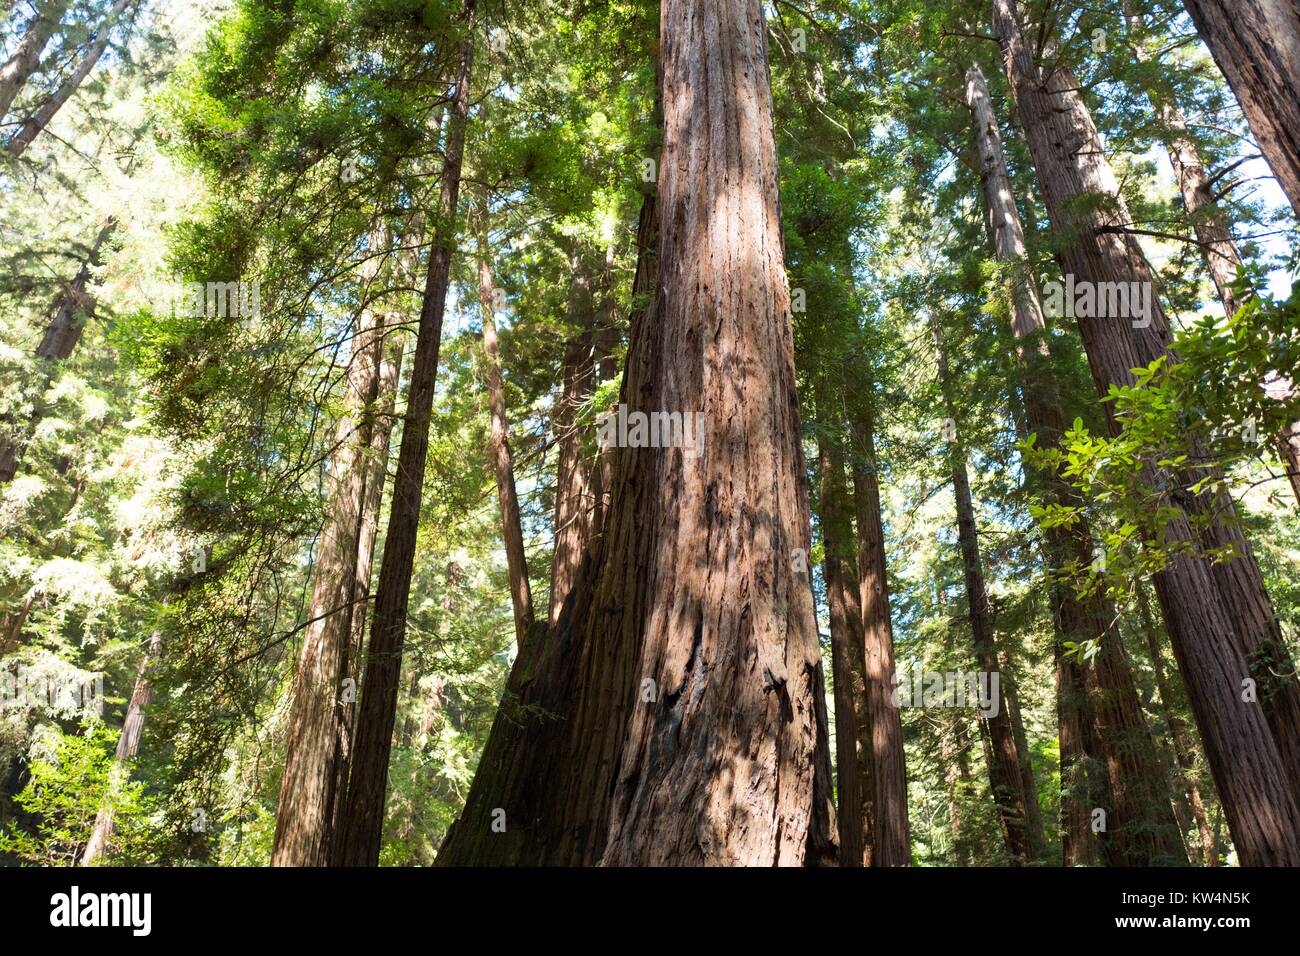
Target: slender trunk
{"points": [[72, 308], [39, 120], [307, 789], [1033, 814], [576, 511], [955, 777], [1184, 754], [521, 597], [854, 753], [1257, 46], [891, 845], [372, 742], [1248, 767], [1004, 758], [27, 54], [376, 477], [128, 746]]}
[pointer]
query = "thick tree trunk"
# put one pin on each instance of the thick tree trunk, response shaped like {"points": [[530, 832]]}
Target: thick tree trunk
{"points": [[372, 742], [854, 754], [694, 620], [308, 788], [576, 510], [723, 771], [521, 596], [1248, 767], [1004, 758], [72, 308], [891, 845], [27, 54], [1257, 46], [128, 746], [539, 796], [39, 120]]}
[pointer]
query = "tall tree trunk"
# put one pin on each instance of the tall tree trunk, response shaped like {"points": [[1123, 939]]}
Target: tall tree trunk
{"points": [[72, 308], [372, 742], [694, 621], [376, 466], [1257, 46], [39, 120], [956, 776], [724, 771], [576, 509], [1252, 776], [521, 597], [854, 753], [26, 57], [308, 787], [1004, 758], [1033, 813], [128, 746], [539, 795], [1209, 222], [1143, 824], [1184, 755], [891, 845]]}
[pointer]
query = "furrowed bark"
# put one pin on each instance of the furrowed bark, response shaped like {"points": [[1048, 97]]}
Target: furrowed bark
{"points": [[1257, 46], [854, 755], [540, 795], [372, 742], [390, 374], [722, 771], [576, 508], [891, 844], [1142, 826], [1210, 639]]}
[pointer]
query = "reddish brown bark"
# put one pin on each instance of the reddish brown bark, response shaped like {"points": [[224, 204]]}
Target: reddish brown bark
{"points": [[891, 845], [1203, 606], [576, 509], [308, 788], [692, 585], [128, 746], [377, 713], [854, 755], [521, 597], [1257, 46]]}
